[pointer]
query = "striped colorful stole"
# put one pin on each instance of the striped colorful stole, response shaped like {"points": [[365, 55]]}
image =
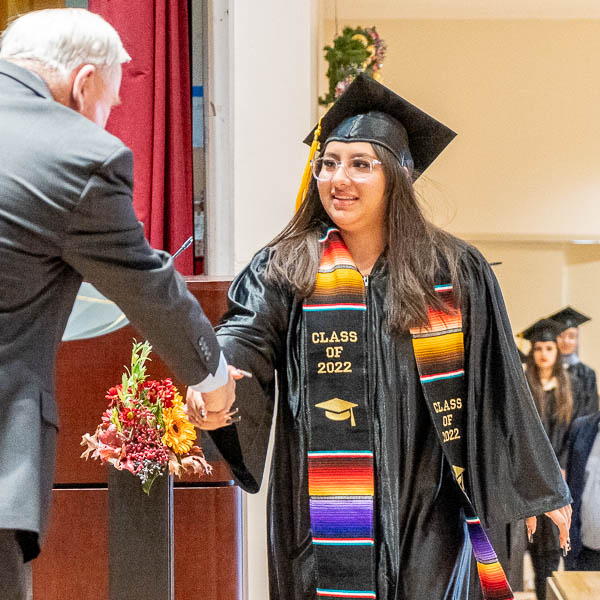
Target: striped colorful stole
{"points": [[341, 481], [340, 455], [439, 353]]}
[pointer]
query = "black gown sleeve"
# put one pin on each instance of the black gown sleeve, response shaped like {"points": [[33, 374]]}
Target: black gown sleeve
{"points": [[585, 390], [556, 430], [514, 471], [252, 335]]}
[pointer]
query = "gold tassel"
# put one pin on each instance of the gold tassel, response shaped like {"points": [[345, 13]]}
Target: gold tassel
{"points": [[314, 147]]}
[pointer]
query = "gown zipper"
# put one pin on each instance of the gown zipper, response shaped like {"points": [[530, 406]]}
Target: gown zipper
{"points": [[370, 407]]}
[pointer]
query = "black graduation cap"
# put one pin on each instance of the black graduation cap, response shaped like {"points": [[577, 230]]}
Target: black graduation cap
{"points": [[569, 317], [370, 112], [544, 330]]}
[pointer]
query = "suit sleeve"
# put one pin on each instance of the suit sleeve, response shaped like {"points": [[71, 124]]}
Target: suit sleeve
{"points": [[514, 471], [105, 243], [253, 337]]}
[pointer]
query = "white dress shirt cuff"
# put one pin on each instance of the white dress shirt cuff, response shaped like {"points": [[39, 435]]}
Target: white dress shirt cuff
{"points": [[212, 382]]}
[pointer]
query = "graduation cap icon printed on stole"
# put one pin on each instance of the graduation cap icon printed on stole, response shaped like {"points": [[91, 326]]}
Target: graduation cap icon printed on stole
{"points": [[337, 409], [459, 475]]}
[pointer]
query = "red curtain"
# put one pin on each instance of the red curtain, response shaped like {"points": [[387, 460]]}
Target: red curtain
{"points": [[155, 117]]}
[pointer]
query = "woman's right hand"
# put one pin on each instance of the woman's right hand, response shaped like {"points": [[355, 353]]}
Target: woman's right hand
{"points": [[561, 517]]}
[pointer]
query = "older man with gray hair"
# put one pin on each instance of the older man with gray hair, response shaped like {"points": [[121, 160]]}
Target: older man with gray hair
{"points": [[66, 214]]}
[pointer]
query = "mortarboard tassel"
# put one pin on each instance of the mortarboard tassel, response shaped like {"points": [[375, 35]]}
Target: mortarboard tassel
{"points": [[314, 147]]}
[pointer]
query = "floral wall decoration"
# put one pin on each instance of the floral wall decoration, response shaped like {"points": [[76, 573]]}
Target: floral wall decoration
{"points": [[356, 50]]}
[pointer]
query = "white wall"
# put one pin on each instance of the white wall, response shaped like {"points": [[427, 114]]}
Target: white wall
{"points": [[274, 91], [273, 87]]}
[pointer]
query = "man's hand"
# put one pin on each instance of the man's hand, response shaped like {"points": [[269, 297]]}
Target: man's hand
{"points": [[561, 518], [212, 410]]}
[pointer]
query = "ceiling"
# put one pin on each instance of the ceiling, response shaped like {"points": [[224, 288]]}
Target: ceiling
{"points": [[461, 9]]}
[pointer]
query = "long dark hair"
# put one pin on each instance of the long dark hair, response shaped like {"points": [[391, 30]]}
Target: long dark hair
{"points": [[563, 407], [415, 251]]}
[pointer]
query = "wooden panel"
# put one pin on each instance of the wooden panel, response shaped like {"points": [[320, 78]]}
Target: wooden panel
{"points": [[11, 8], [3, 14], [207, 527], [208, 534], [80, 388], [74, 559]]}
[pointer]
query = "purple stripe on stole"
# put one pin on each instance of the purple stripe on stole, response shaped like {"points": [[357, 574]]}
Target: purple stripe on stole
{"points": [[482, 549], [341, 516]]}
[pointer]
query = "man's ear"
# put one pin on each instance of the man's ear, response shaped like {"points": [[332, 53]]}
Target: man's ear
{"points": [[81, 87]]}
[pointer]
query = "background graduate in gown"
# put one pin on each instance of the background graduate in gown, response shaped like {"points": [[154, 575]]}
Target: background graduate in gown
{"points": [[550, 385]]}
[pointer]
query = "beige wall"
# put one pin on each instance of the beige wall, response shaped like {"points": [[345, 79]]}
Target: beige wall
{"points": [[523, 96], [582, 285], [537, 279], [524, 274]]}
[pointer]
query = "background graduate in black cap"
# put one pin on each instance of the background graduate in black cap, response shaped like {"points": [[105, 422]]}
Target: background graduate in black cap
{"points": [[550, 385], [373, 145], [585, 391]]}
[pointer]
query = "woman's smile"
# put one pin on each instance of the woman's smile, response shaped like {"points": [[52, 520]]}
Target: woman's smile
{"points": [[342, 201]]}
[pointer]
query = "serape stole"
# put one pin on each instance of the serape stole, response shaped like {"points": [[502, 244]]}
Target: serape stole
{"points": [[340, 456], [439, 353], [341, 482]]}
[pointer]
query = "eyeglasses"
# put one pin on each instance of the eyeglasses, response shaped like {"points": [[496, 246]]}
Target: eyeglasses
{"points": [[357, 169]]}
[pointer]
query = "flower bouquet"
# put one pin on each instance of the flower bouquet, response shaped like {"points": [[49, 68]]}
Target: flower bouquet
{"points": [[145, 429]]}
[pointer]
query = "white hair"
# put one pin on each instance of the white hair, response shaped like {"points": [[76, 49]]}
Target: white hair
{"points": [[62, 39]]}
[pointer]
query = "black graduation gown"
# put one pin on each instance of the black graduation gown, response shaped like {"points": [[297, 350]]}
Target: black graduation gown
{"points": [[546, 537], [585, 391], [422, 550]]}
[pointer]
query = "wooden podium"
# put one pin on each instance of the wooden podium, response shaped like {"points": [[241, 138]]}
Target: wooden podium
{"points": [[207, 524]]}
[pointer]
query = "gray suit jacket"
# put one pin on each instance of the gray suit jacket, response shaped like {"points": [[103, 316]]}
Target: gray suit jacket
{"points": [[66, 214]]}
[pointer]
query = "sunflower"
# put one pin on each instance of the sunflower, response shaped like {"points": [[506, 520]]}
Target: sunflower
{"points": [[177, 399], [179, 432]]}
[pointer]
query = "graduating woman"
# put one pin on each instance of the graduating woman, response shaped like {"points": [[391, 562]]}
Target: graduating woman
{"points": [[403, 413], [550, 385]]}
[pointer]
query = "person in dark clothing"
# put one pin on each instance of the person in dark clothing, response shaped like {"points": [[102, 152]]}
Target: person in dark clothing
{"points": [[551, 388], [402, 410], [583, 377], [66, 214], [583, 478]]}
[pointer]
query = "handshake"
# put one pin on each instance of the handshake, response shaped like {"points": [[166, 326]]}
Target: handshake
{"points": [[212, 410]]}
